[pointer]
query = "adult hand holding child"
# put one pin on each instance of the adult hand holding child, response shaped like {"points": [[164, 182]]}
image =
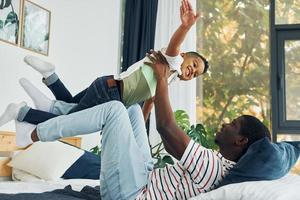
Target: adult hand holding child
{"points": [[159, 64]]}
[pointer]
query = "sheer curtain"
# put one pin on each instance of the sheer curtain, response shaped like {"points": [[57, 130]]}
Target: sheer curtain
{"points": [[182, 93]]}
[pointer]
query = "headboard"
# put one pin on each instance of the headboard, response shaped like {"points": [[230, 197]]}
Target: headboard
{"points": [[8, 146]]}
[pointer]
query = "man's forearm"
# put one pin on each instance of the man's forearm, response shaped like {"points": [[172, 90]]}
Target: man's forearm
{"points": [[174, 139], [163, 110], [176, 40]]}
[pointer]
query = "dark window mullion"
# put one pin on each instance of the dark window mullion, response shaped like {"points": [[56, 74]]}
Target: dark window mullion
{"points": [[279, 34], [288, 126]]}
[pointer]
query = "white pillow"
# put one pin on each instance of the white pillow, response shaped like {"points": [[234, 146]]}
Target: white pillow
{"points": [[20, 175], [47, 160]]}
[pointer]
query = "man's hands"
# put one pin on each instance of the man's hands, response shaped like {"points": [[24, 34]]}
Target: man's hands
{"points": [[159, 65], [187, 15], [174, 139]]}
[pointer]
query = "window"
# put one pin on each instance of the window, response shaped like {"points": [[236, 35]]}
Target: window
{"points": [[234, 36], [285, 62], [287, 12]]}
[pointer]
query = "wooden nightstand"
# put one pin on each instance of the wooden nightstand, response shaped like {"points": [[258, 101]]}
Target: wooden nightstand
{"points": [[8, 145]]}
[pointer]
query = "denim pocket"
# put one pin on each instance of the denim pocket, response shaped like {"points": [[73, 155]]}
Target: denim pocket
{"points": [[101, 90]]}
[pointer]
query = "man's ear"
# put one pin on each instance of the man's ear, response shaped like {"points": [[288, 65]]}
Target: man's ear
{"points": [[182, 54], [241, 141]]}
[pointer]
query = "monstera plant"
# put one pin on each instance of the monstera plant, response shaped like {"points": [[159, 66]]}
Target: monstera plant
{"points": [[9, 26]]}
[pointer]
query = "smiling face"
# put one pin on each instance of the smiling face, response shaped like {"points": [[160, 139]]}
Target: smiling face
{"points": [[191, 67]]}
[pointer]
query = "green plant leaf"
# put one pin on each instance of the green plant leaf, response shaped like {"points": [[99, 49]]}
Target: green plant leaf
{"points": [[12, 18], [182, 119], [96, 150], [200, 128], [5, 4], [1, 24], [200, 135], [168, 159], [160, 163]]}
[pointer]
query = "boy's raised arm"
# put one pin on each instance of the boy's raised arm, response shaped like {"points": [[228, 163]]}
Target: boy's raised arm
{"points": [[188, 19]]}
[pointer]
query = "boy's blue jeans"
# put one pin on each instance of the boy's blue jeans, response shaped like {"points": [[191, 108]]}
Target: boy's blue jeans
{"points": [[60, 91], [97, 93], [125, 154]]}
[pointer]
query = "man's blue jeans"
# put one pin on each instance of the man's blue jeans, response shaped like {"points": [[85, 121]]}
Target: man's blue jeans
{"points": [[125, 154]]}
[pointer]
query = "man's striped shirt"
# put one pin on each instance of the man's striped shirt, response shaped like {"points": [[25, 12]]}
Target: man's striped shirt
{"points": [[199, 170]]}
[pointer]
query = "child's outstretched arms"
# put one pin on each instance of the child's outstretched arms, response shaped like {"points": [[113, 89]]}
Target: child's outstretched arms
{"points": [[188, 19]]}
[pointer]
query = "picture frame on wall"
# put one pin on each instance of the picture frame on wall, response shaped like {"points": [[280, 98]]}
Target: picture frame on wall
{"points": [[10, 12], [35, 32]]}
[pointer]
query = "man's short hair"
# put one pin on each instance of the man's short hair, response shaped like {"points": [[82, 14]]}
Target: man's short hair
{"points": [[196, 54], [253, 129]]}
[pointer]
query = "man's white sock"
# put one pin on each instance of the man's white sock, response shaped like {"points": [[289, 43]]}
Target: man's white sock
{"points": [[23, 133], [40, 100], [11, 112], [45, 68]]}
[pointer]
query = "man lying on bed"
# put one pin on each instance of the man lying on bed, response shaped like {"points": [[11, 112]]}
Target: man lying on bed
{"points": [[126, 164]]}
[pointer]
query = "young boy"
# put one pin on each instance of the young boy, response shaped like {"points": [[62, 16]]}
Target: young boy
{"points": [[135, 85]]}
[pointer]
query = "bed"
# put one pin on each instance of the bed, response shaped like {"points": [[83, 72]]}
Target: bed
{"points": [[286, 188], [31, 187]]}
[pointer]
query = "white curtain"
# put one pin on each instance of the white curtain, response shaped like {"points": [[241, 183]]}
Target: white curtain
{"points": [[182, 93]]}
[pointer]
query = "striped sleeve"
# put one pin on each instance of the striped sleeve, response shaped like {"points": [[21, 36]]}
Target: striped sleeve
{"points": [[202, 164]]}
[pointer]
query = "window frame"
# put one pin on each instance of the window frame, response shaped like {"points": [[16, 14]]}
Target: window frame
{"points": [[279, 34]]}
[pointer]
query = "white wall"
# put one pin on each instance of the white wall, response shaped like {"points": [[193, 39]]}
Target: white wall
{"points": [[84, 44]]}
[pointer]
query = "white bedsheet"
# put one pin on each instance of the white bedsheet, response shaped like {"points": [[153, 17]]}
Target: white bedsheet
{"points": [[286, 188], [14, 187]]}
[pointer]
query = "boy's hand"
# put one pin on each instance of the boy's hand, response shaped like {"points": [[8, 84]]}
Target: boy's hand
{"points": [[159, 65], [187, 14]]}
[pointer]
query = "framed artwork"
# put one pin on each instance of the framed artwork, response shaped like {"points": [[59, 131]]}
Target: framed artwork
{"points": [[35, 28], [10, 21]]}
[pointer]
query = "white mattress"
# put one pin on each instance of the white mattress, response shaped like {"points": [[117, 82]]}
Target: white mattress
{"points": [[13, 187], [286, 188]]}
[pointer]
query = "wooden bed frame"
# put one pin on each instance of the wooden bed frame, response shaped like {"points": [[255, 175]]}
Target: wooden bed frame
{"points": [[8, 146]]}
